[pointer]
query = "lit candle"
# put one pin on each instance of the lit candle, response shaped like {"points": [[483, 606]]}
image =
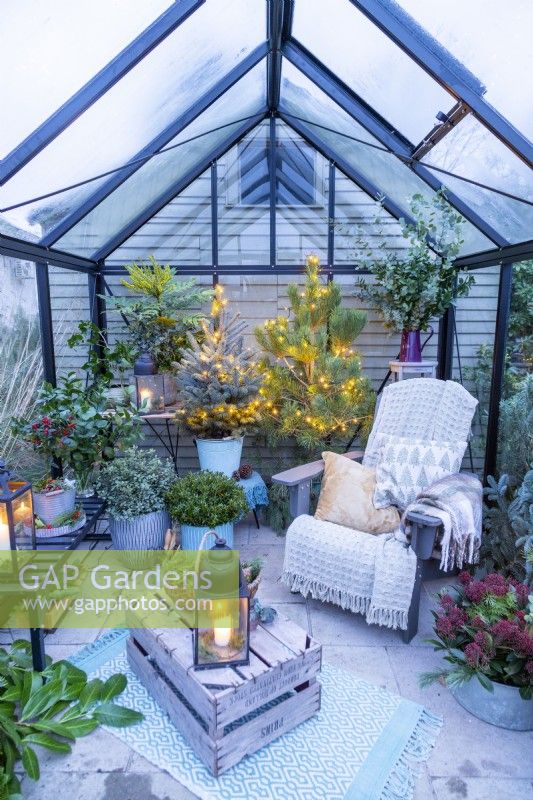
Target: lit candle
{"points": [[146, 398], [5, 543], [222, 635]]}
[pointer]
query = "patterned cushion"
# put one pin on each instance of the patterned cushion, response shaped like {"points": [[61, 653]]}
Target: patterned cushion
{"points": [[407, 466]]}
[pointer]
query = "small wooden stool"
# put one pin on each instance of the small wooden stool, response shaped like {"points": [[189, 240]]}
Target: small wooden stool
{"points": [[419, 369]]}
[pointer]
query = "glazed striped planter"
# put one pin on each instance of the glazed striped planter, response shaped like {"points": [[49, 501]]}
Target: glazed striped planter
{"points": [[146, 532], [220, 455], [191, 535]]}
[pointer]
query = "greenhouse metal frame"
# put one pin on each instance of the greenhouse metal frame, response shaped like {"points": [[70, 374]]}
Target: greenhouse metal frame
{"points": [[280, 47]]}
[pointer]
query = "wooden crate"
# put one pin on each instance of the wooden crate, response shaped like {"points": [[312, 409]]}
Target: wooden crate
{"points": [[227, 713]]}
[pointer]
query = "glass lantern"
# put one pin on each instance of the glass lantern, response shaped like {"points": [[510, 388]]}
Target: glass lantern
{"points": [[17, 528], [150, 393], [223, 644]]}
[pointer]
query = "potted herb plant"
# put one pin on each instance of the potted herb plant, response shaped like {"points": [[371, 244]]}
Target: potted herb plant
{"points": [[415, 285], [219, 390], [159, 317], [204, 501], [134, 487], [485, 629]]}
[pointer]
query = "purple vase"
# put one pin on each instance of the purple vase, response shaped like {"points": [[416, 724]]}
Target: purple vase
{"points": [[410, 349]]}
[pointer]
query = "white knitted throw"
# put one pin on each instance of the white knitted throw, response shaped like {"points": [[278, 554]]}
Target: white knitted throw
{"points": [[358, 571], [421, 408], [457, 500]]}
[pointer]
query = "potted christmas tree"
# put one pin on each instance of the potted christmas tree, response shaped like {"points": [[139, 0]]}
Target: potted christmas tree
{"points": [[219, 389], [313, 387]]}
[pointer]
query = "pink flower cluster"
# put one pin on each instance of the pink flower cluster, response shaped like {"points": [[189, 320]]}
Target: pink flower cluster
{"points": [[466, 622]]}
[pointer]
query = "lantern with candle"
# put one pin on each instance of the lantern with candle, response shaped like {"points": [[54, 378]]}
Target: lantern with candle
{"points": [[150, 393], [17, 530], [225, 640]]}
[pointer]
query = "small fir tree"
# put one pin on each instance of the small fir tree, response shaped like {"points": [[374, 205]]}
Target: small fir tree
{"points": [[314, 389], [217, 378]]}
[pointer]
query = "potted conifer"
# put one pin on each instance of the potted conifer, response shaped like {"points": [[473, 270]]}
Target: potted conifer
{"points": [[205, 501], [219, 389]]}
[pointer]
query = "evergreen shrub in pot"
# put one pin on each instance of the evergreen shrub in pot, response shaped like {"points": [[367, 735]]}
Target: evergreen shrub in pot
{"points": [[134, 488], [204, 501]]}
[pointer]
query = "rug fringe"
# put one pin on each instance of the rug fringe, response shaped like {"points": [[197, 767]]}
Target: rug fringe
{"points": [[402, 780], [387, 617]]}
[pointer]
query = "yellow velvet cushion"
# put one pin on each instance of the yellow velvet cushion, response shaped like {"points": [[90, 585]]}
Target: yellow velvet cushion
{"points": [[346, 497]]}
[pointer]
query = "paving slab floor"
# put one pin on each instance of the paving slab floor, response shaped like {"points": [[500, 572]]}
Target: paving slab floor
{"points": [[472, 760]]}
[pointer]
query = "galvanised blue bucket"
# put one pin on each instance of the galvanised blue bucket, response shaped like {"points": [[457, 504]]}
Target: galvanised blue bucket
{"points": [[191, 535], [220, 455]]}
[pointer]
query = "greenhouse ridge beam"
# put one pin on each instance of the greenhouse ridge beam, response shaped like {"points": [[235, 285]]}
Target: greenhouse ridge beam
{"points": [[444, 68], [397, 144], [162, 139], [129, 229], [276, 10], [134, 52], [31, 251]]}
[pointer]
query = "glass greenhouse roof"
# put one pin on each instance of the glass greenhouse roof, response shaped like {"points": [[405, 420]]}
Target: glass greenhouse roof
{"points": [[116, 107]]}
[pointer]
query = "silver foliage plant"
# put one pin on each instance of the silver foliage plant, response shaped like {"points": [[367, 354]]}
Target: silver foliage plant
{"points": [[135, 484]]}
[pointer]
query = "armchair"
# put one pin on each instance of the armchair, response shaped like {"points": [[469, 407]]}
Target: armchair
{"points": [[424, 408]]}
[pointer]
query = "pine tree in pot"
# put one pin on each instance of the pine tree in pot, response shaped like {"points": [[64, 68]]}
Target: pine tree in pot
{"points": [[219, 389], [134, 488], [415, 285], [204, 501]]}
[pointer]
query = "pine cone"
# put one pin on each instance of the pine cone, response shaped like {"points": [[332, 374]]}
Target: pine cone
{"points": [[236, 475], [245, 471]]}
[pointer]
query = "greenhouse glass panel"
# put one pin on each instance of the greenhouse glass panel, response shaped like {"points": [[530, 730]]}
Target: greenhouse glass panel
{"points": [[505, 59], [155, 178], [141, 105], [302, 194], [371, 64], [336, 129], [243, 201], [470, 150], [180, 234], [362, 226], [51, 49]]}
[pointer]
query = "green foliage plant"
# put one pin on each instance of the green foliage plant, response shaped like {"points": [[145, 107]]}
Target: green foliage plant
{"points": [[313, 389], [521, 519], [49, 709], [162, 313], [206, 499], [413, 286], [218, 379], [135, 484]]}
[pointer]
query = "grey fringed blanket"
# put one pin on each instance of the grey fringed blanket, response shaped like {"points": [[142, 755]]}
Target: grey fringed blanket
{"points": [[457, 501], [358, 571]]}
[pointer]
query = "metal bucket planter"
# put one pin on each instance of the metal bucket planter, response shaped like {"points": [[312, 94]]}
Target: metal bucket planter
{"points": [[51, 505], [220, 455], [503, 707], [191, 535], [146, 532]]}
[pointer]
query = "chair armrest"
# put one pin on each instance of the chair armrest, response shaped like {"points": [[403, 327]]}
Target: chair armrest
{"points": [[305, 472], [298, 480], [423, 533]]}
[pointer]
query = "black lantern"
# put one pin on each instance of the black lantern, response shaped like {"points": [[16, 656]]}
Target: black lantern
{"points": [[222, 644], [17, 528], [150, 393]]}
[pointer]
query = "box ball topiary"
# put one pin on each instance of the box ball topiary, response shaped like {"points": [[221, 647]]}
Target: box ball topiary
{"points": [[206, 499]]}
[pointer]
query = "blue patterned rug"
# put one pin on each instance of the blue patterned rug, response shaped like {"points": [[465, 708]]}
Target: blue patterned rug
{"points": [[364, 744]]}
